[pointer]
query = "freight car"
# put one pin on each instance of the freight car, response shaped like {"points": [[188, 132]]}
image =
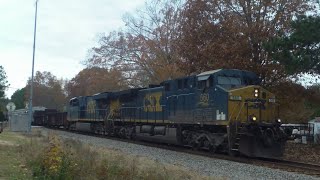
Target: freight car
{"points": [[220, 110], [57, 119], [40, 117], [50, 118]]}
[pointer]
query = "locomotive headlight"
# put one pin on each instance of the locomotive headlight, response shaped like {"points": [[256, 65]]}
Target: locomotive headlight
{"points": [[279, 120], [256, 93], [252, 118], [235, 98]]}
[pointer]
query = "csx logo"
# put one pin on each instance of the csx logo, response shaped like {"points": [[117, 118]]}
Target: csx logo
{"points": [[91, 106], [152, 102], [204, 98]]}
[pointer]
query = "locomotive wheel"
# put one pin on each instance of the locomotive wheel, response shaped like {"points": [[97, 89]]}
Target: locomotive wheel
{"points": [[212, 148], [122, 133], [268, 137]]}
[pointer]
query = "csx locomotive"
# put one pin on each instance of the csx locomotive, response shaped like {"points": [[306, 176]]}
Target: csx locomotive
{"points": [[221, 110]]}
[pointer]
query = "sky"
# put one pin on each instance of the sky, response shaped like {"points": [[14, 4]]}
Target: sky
{"points": [[66, 30]]}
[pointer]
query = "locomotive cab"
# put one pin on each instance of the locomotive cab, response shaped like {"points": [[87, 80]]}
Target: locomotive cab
{"points": [[248, 111]]}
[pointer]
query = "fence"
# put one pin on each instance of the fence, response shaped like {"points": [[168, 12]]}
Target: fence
{"points": [[302, 133], [317, 139]]}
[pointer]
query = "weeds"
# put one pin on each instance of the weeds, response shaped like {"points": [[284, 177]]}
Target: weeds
{"points": [[309, 153], [53, 158]]}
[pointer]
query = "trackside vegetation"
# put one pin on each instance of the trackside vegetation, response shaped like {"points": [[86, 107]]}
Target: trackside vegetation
{"points": [[35, 156]]}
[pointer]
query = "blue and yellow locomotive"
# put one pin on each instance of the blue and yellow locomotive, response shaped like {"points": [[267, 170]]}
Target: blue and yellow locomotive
{"points": [[224, 110]]}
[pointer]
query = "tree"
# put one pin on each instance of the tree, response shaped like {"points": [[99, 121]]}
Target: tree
{"points": [[299, 49], [94, 80], [298, 104], [3, 82], [3, 86], [145, 50], [3, 109], [47, 91], [230, 34], [18, 98]]}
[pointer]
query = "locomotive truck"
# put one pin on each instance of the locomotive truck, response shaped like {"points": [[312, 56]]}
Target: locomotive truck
{"points": [[222, 110]]}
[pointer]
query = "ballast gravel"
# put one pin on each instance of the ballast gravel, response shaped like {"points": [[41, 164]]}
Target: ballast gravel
{"points": [[202, 165]]}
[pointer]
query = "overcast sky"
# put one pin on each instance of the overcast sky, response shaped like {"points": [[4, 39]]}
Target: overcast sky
{"points": [[66, 30]]}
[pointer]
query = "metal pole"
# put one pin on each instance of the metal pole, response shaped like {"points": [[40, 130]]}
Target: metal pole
{"points": [[31, 83]]}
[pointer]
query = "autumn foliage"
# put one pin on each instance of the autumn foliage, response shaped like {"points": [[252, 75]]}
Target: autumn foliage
{"points": [[298, 104], [167, 39], [145, 51], [231, 33], [94, 80], [47, 91]]}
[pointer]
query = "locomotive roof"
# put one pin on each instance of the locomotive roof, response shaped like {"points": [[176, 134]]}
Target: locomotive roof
{"points": [[218, 70], [209, 72], [106, 95], [102, 95]]}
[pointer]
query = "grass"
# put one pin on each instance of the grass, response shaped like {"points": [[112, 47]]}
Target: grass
{"points": [[12, 166], [34, 156]]}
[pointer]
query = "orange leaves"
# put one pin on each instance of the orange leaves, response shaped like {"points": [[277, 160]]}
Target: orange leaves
{"points": [[144, 51], [94, 80], [47, 91], [230, 34]]}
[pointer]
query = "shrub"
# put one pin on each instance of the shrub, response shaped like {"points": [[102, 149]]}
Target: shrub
{"points": [[53, 158]]}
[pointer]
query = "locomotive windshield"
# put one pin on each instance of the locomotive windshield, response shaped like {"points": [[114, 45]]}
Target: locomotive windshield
{"points": [[232, 82], [225, 80], [74, 102]]}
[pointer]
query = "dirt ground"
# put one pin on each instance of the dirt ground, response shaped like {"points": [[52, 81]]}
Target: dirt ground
{"points": [[308, 153]]}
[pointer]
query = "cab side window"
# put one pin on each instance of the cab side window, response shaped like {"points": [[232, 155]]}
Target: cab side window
{"points": [[206, 83]]}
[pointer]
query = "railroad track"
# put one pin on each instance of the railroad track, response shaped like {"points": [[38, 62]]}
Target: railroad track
{"points": [[291, 166]]}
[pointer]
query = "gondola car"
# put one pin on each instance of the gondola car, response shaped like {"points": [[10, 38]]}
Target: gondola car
{"points": [[40, 117], [57, 119], [220, 110]]}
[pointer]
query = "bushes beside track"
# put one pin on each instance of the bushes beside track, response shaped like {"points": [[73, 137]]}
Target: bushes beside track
{"points": [[49, 157]]}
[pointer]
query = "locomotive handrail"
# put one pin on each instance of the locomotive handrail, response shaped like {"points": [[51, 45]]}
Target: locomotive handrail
{"points": [[240, 111], [233, 110], [238, 116], [128, 107], [177, 95]]}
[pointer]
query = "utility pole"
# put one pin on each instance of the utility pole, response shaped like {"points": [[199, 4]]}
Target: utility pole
{"points": [[31, 83]]}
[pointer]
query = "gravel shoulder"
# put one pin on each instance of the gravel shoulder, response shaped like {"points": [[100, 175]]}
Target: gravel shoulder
{"points": [[202, 165]]}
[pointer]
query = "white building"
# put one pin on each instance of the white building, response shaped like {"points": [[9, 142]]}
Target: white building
{"points": [[316, 129]]}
